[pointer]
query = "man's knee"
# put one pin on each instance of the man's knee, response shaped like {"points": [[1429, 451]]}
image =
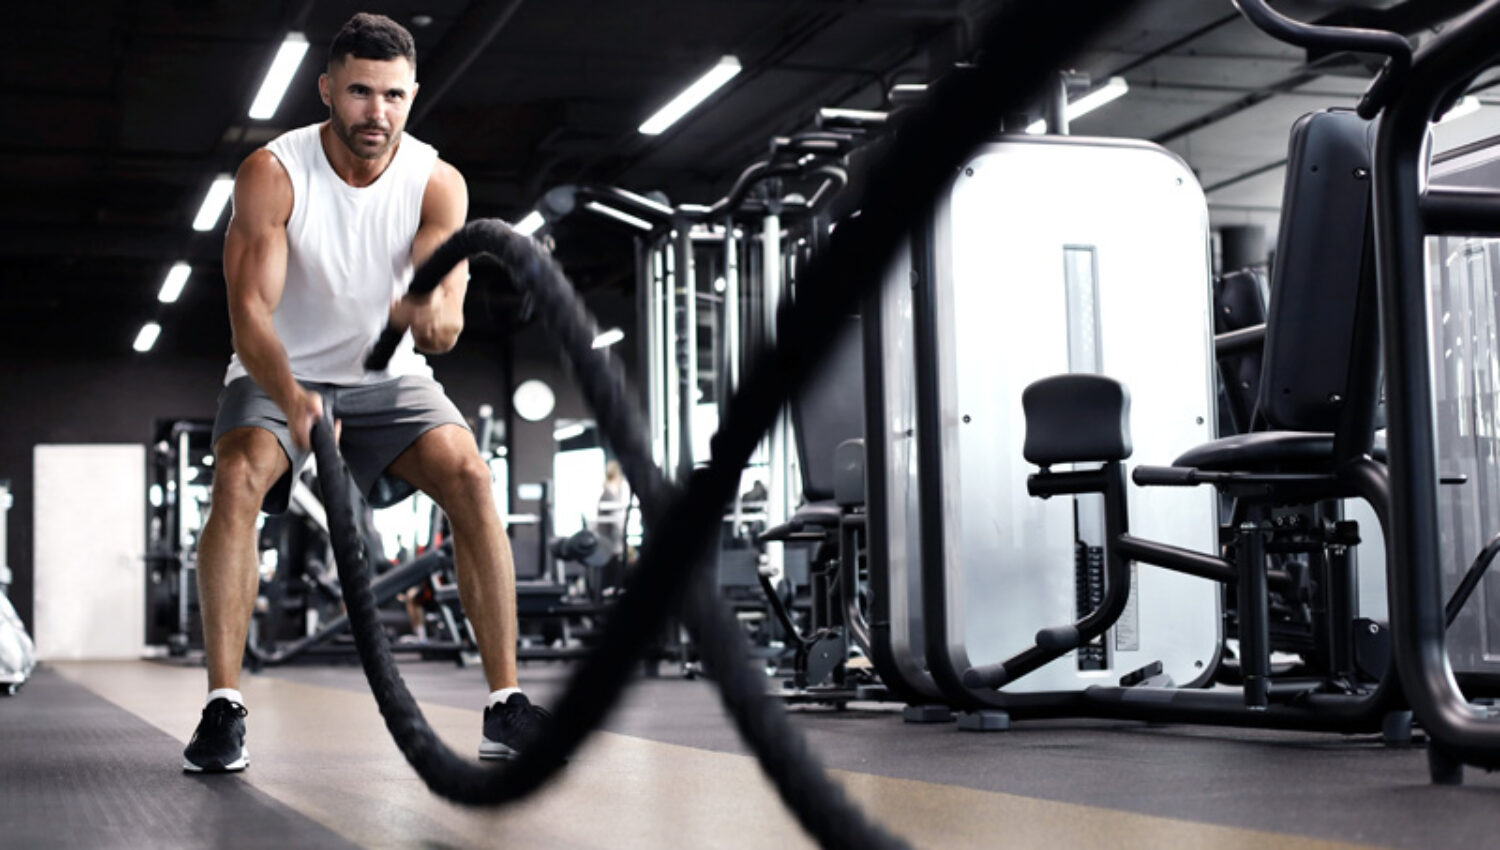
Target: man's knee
{"points": [[247, 463], [468, 478], [458, 476]]}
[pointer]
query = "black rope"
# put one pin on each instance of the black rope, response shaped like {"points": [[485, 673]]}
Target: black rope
{"points": [[1021, 48]]}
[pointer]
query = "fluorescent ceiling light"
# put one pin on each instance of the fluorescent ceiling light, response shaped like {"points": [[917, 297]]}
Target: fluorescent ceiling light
{"points": [[835, 113], [568, 432], [1466, 105], [147, 336], [618, 215], [607, 338], [530, 224], [691, 96], [288, 57], [213, 203], [1112, 90], [176, 280]]}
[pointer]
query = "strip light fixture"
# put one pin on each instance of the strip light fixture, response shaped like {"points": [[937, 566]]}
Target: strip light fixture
{"points": [[147, 336], [1112, 90], [171, 288], [283, 68], [691, 96], [831, 113], [568, 432], [213, 203], [607, 338], [530, 224], [618, 215]]}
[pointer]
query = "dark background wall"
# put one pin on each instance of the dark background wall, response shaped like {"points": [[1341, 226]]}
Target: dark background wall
{"points": [[60, 399]]}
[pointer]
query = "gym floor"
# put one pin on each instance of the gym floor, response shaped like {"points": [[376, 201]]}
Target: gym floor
{"points": [[90, 757]]}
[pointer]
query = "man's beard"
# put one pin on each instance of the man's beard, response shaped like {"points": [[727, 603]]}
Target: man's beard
{"points": [[350, 137]]}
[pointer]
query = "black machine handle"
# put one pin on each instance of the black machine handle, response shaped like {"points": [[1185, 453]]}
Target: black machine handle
{"points": [[1168, 476], [1394, 47]]}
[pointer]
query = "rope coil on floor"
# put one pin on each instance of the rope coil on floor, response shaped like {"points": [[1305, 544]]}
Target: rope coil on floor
{"points": [[1020, 48]]}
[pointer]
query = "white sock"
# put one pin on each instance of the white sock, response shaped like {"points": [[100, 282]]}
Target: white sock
{"points": [[226, 693], [499, 697]]}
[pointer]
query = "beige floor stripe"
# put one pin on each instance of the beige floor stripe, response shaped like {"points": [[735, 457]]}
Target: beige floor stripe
{"points": [[325, 753]]}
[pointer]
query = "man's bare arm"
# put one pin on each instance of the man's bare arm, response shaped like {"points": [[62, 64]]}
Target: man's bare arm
{"points": [[255, 251], [437, 320]]}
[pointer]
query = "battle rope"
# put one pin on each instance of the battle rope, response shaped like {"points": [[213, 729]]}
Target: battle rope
{"points": [[1019, 49]]}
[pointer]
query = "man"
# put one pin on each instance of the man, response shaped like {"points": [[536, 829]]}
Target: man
{"points": [[328, 223]]}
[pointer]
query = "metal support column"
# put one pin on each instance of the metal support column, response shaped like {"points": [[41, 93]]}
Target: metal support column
{"points": [[667, 304], [771, 292], [187, 559], [686, 345], [1057, 105], [1254, 616]]}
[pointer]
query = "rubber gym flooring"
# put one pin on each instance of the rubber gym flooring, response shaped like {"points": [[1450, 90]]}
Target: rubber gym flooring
{"points": [[90, 757]]}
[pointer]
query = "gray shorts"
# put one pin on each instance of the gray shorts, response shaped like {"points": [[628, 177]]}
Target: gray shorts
{"points": [[380, 421]]}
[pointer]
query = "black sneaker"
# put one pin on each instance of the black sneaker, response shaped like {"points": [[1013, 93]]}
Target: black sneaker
{"points": [[218, 744], [510, 727]]}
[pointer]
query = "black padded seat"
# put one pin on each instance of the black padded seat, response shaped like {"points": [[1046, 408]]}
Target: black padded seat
{"points": [[1267, 451], [824, 514], [814, 521]]}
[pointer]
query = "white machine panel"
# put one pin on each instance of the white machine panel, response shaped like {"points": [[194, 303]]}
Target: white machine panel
{"points": [[1055, 255], [90, 533], [898, 431]]}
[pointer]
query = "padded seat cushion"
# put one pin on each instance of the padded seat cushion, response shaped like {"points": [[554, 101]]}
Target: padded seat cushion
{"points": [[1267, 451], [824, 514]]}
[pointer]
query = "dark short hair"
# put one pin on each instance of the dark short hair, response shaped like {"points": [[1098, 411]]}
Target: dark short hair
{"points": [[367, 36]]}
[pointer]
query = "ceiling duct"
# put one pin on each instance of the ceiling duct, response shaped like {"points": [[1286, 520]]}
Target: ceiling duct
{"points": [[1411, 18]]}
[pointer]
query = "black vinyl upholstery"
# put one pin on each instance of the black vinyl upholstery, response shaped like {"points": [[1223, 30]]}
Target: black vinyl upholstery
{"points": [[829, 410], [849, 473], [1279, 451], [1239, 302], [1315, 280], [1077, 418], [823, 514]]}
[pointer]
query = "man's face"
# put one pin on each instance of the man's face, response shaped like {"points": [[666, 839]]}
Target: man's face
{"points": [[368, 101]]}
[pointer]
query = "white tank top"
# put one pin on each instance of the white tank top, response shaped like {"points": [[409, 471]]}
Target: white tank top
{"points": [[348, 257]]}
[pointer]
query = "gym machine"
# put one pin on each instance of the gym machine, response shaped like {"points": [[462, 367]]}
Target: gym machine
{"points": [[1408, 209]]}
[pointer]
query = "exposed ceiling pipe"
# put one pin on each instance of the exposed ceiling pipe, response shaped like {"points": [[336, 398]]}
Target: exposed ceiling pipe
{"points": [[465, 41], [1406, 18], [1235, 107], [1173, 45]]}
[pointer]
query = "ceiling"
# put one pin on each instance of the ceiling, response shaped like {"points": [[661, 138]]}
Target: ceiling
{"points": [[123, 112]]}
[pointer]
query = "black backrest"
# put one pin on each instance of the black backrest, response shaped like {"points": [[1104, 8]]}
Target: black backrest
{"points": [[1315, 278], [829, 410], [1076, 418], [1239, 302]]}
